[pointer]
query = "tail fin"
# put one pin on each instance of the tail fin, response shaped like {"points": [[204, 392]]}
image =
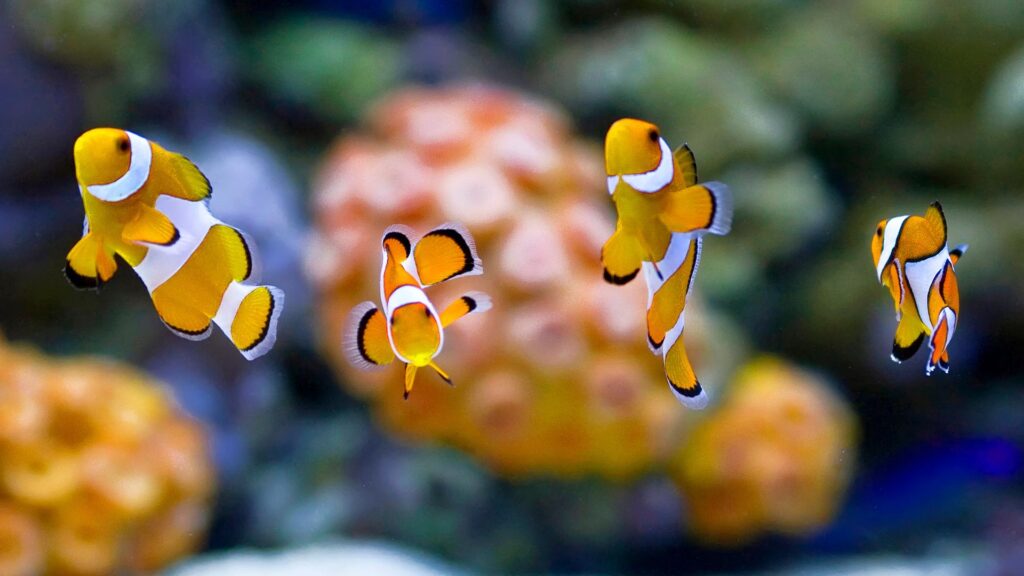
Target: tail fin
{"points": [[89, 265], [681, 378], [249, 315], [942, 334], [956, 253], [700, 208], [621, 256]]}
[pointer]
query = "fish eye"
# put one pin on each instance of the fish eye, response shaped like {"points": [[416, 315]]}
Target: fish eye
{"points": [[122, 144], [653, 135]]}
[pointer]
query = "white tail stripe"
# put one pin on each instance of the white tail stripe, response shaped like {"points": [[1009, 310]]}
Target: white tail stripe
{"points": [[672, 335], [920, 276], [193, 221], [229, 304], [134, 178], [655, 179], [892, 233]]}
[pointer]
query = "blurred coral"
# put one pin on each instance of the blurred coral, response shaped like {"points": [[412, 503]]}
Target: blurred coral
{"points": [[557, 377], [777, 455], [99, 471]]}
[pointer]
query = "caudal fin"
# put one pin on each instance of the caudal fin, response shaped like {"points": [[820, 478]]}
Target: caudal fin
{"points": [[682, 379], [249, 315], [621, 257]]}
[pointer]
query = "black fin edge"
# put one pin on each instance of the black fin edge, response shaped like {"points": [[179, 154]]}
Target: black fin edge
{"points": [[80, 282]]}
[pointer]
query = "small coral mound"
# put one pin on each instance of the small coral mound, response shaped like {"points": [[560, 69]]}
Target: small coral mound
{"points": [[776, 456], [557, 378], [99, 471]]}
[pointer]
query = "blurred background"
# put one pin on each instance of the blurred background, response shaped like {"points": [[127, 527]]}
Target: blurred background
{"points": [[124, 449]]}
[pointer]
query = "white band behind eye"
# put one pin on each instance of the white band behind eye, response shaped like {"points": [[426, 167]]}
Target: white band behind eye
{"points": [[405, 295], [133, 179], [613, 181], [655, 179], [892, 234]]}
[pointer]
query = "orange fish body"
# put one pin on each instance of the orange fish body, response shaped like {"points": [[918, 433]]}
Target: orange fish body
{"points": [[913, 261], [408, 327], [149, 206], [663, 214]]}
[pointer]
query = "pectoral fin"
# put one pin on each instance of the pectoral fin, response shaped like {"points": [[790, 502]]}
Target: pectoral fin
{"points": [[469, 303], [956, 253], [150, 226], [699, 208]]}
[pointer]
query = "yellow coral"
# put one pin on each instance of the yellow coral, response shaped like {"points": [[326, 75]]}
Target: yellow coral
{"points": [[557, 377], [775, 456], [99, 472]]}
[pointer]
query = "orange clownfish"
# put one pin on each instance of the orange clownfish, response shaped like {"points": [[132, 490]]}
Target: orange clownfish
{"points": [[663, 213], [914, 263], [408, 327], [149, 206]]}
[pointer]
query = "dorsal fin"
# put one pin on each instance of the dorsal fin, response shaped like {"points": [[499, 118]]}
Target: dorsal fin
{"points": [[687, 164], [936, 221]]}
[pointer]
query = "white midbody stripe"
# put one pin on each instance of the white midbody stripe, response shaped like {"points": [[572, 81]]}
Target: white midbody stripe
{"points": [[655, 179], [672, 335], [134, 178], [919, 276], [408, 294], [675, 255], [193, 221], [613, 181], [892, 234]]}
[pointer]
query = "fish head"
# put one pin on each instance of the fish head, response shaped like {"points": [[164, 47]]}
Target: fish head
{"points": [[102, 155], [415, 333], [632, 147], [877, 240]]}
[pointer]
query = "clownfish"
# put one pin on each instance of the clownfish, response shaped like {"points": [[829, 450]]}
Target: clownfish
{"points": [[407, 326], [663, 213], [914, 263], [150, 207]]}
